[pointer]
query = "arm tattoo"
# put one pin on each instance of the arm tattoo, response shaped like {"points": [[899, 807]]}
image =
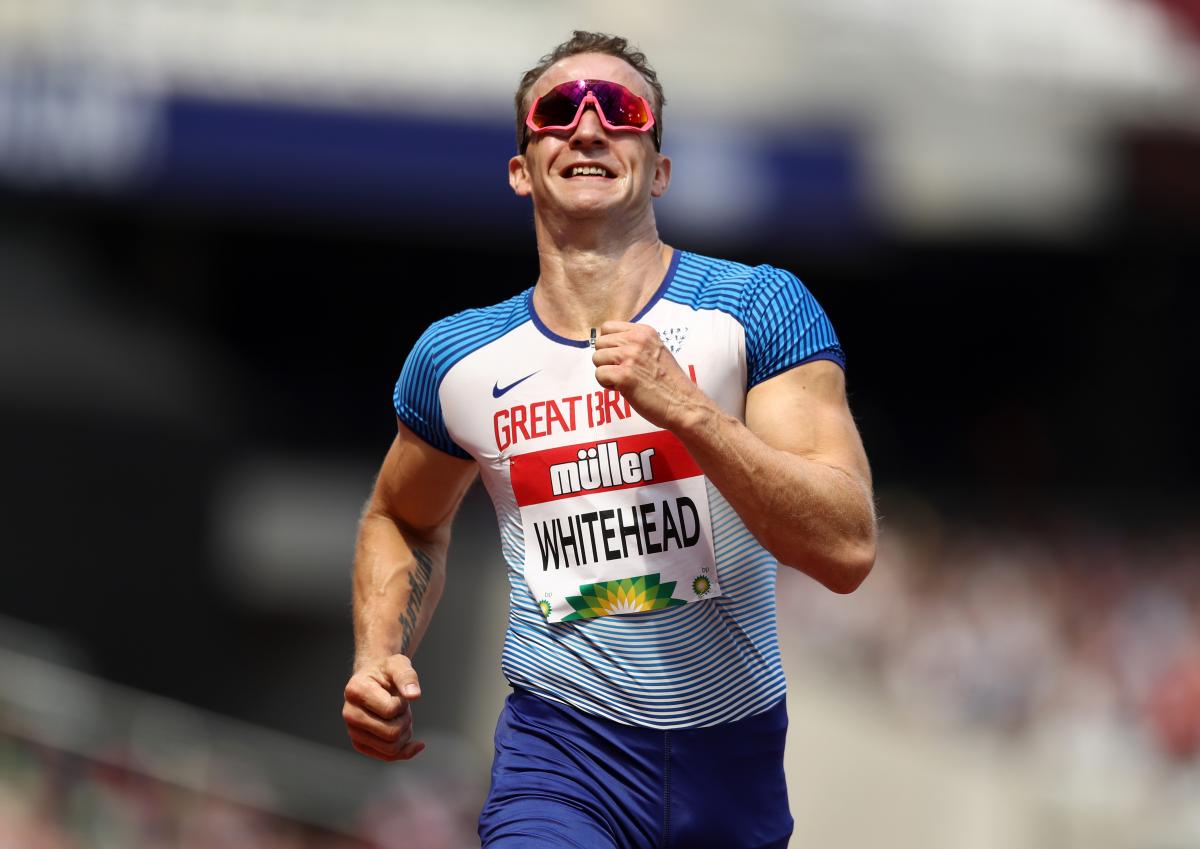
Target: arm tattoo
{"points": [[418, 583]]}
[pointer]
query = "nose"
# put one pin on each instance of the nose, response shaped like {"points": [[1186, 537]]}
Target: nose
{"points": [[589, 132]]}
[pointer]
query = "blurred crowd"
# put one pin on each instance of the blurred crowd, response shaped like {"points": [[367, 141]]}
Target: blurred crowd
{"points": [[53, 800], [1075, 640]]}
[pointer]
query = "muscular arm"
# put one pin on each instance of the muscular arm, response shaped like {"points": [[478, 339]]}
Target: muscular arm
{"points": [[399, 573], [400, 557], [795, 472]]}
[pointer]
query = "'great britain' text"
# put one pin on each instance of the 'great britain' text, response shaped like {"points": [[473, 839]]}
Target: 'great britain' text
{"points": [[523, 422]]}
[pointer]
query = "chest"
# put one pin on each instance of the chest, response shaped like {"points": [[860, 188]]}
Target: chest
{"points": [[526, 392]]}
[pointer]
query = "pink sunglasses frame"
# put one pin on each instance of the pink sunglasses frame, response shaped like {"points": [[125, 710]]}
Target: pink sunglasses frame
{"points": [[590, 97]]}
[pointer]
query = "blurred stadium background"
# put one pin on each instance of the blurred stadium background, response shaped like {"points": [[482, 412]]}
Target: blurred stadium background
{"points": [[223, 224]]}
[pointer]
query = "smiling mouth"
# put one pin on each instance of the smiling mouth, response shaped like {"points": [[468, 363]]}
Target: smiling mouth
{"points": [[587, 171]]}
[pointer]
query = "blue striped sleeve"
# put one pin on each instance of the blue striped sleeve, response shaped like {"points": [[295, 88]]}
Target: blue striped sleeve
{"points": [[416, 398], [785, 326]]}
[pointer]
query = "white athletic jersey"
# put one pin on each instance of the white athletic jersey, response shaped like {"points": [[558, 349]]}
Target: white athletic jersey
{"points": [[636, 592]]}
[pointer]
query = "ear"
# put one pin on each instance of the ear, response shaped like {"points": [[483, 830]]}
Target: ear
{"points": [[518, 176], [662, 176]]}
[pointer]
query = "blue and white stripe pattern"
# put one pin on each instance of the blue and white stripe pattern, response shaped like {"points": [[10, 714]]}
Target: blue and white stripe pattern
{"points": [[416, 398], [785, 326], [683, 667], [696, 665]]}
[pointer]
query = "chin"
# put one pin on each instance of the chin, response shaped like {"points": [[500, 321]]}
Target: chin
{"points": [[590, 207]]}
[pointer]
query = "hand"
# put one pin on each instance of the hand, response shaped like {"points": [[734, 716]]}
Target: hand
{"points": [[377, 709], [632, 359]]}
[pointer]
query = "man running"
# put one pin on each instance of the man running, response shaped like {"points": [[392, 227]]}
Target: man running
{"points": [[657, 430]]}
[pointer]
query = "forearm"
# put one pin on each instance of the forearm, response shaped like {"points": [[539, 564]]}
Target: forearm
{"points": [[398, 580], [811, 514]]}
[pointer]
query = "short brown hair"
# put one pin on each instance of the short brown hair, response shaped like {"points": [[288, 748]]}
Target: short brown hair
{"points": [[582, 41]]}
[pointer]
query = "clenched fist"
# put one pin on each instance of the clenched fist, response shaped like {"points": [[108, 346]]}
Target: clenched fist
{"points": [[377, 709], [632, 359]]}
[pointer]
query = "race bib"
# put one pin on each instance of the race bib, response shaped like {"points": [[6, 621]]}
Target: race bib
{"points": [[619, 525]]}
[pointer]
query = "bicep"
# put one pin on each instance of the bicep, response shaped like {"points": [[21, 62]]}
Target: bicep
{"points": [[804, 411], [419, 486]]}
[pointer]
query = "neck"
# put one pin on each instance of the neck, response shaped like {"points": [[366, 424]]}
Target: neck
{"points": [[587, 280]]}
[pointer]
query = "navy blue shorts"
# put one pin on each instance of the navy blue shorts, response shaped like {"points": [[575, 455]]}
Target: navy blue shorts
{"points": [[563, 778]]}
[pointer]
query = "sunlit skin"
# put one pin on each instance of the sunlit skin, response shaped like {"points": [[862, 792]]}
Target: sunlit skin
{"points": [[566, 206], [598, 246]]}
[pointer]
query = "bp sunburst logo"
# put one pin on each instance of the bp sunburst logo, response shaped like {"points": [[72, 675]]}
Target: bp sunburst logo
{"points": [[701, 585], [544, 606], [628, 595]]}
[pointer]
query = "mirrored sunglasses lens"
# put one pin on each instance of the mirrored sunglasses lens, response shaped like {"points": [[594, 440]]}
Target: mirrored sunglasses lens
{"points": [[557, 108], [621, 106]]}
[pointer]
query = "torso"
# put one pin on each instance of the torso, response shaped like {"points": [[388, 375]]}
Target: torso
{"points": [[636, 593]]}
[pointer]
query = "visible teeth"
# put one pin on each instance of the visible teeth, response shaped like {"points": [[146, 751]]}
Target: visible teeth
{"points": [[588, 171]]}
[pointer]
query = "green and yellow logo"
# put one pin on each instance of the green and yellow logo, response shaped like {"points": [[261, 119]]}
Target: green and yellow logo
{"points": [[701, 585], [628, 595], [544, 606]]}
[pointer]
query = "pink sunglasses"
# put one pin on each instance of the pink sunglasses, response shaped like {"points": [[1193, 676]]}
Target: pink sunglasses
{"points": [[619, 109]]}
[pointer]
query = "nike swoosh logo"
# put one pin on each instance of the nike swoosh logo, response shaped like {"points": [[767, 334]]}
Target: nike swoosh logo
{"points": [[497, 391]]}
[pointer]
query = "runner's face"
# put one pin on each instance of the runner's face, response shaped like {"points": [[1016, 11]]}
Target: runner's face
{"points": [[633, 170]]}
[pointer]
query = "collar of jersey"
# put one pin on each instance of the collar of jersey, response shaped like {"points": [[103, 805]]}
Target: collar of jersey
{"points": [[583, 343]]}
